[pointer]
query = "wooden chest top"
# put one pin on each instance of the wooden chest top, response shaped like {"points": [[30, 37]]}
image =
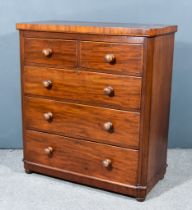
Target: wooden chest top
{"points": [[148, 30]]}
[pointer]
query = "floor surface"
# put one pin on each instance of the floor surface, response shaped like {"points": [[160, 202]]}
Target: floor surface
{"points": [[20, 191]]}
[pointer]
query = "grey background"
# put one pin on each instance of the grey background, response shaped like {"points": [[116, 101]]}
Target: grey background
{"points": [[138, 11]]}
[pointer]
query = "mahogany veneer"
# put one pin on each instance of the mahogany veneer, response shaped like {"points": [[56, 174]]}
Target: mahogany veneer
{"points": [[95, 101], [128, 57], [84, 87]]}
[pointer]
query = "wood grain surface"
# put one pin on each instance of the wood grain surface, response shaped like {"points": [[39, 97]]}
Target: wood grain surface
{"points": [[128, 58], [84, 87], [83, 157], [81, 121], [63, 52], [148, 30], [160, 105]]}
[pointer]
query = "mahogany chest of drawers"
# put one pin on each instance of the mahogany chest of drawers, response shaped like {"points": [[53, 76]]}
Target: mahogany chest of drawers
{"points": [[95, 102]]}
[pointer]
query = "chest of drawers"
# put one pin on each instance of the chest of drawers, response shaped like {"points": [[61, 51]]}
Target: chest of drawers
{"points": [[95, 102]]}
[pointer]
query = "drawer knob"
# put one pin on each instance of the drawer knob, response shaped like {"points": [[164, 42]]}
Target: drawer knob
{"points": [[47, 52], [47, 84], [108, 91], [107, 163], [48, 150], [108, 126], [110, 58], [48, 116]]}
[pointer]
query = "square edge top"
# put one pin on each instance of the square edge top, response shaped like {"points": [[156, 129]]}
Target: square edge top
{"points": [[148, 30]]}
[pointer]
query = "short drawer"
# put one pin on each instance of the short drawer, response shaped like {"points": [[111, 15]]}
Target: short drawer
{"points": [[95, 160], [81, 121], [115, 91], [52, 52], [112, 57]]}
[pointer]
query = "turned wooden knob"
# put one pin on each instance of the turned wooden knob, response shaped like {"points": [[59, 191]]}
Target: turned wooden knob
{"points": [[47, 52], [48, 150], [107, 163], [48, 116], [108, 126], [47, 84], [109, 58], [108, 91]]}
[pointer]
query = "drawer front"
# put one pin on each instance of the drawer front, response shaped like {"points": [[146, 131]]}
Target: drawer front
{"points": [[74, 120], [87, 158], [106, 90], [111, 57], [60, 53]]}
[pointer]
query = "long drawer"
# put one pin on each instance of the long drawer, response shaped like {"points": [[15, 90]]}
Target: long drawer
{"points": [[115, 91], [81, 121], [90, 159]]}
